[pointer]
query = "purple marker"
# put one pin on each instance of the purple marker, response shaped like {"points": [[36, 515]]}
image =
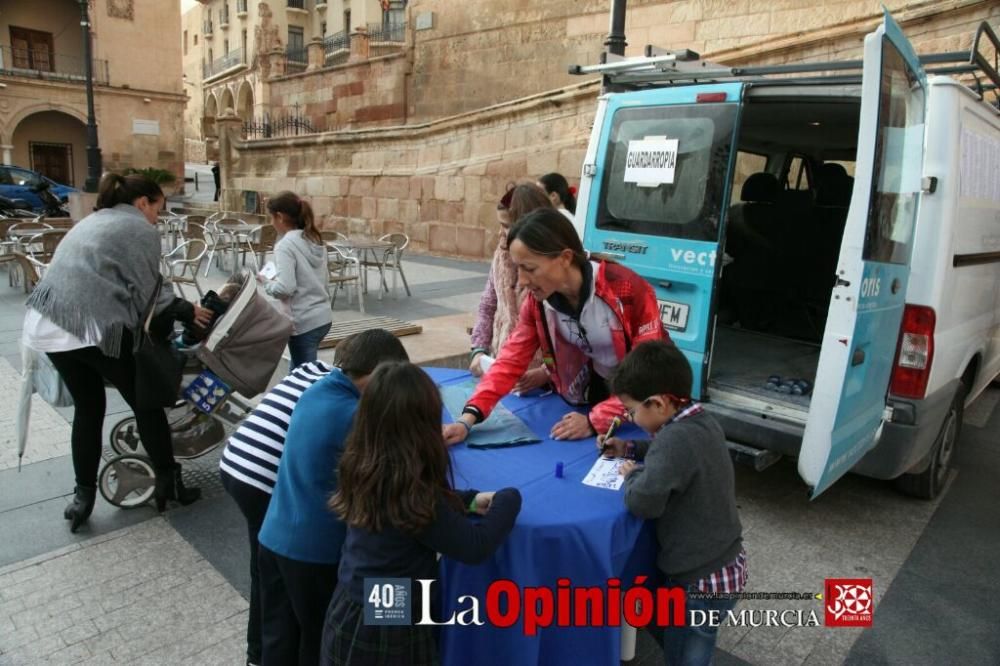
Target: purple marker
{"points": [[559, 470]]}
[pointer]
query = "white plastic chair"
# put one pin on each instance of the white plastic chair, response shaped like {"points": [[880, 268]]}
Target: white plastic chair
{"points": [[393, 259]]}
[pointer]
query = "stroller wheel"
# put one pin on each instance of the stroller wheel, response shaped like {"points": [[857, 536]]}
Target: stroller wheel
{"points": [[127, 481], [124, 438]]}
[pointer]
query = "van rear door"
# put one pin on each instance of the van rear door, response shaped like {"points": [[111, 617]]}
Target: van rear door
{"points": [[662, 177], [859, 342]]}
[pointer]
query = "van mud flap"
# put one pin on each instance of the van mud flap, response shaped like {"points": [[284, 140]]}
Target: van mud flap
{"points": [[759, 459]]}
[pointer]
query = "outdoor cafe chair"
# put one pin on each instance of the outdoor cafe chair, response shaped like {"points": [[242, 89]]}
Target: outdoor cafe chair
{"points": [[263, 244], [182, 265], [393, 258], [345, 270], [31, 269]]}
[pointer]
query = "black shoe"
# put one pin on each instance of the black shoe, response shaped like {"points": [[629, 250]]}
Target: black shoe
{"points": [[81, 508], [170, 486]]}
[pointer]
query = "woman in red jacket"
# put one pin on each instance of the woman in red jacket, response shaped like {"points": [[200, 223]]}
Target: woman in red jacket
{"points": [[584, 315]]}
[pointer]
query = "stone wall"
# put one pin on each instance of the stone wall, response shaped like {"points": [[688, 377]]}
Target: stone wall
{"points": [[439, 181], [370, 93]]}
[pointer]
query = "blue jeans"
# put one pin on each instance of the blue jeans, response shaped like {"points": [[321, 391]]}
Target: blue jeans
{"points": [[694, 645], [304, 346]]}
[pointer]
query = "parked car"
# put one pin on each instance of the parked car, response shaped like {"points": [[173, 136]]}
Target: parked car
{"points": [[830, 232], [23, 184]]}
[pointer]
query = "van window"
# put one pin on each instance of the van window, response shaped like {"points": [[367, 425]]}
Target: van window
{"points": [[797, 177], [747, 164], [896, 181], [691, 205]]}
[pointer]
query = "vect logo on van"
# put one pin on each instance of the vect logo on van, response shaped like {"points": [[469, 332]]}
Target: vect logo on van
{"points": [[623, 246], [703, 258]]}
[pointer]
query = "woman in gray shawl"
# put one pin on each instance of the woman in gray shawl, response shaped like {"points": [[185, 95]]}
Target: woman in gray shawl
{"points": [[85, 313]]}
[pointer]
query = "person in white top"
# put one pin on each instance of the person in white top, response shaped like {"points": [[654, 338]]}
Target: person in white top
{"points": [[563, 197]]}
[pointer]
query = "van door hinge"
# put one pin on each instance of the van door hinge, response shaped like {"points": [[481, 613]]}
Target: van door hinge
{"points": [[929, 184], [590, 170], [887, 414]]}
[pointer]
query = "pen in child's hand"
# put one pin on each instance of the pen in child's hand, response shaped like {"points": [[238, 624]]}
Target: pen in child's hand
{"points": [[615, 423]]}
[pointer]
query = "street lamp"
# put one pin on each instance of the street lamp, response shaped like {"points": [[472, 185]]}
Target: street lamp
{"points": [[93, 149]]}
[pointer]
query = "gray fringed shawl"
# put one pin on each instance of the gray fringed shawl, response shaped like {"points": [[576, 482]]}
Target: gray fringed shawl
{"points": [[102, 277]]}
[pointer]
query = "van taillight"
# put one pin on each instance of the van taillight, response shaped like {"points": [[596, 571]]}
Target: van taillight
{"points": [[914, 353]]}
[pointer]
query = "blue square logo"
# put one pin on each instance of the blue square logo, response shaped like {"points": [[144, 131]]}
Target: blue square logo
{"points": [[387, 601]]}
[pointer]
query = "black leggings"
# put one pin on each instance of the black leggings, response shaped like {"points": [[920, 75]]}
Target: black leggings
{"points": [[84, 371]]}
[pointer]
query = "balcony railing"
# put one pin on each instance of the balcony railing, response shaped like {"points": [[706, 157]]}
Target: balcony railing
{"points": [[296, 4], [297, 54], [338, 42], [387, 32], [207, 28], [40, 64], [241, 6], [227, 61], [224, 17]]}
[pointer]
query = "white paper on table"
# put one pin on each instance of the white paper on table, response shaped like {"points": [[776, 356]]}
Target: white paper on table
{"points": [[604, 474], [269, 271]]}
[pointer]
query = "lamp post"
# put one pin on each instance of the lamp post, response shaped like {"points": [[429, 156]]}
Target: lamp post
{"points": [[93, 149]]}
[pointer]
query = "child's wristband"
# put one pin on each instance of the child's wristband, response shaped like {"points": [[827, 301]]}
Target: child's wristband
{"points": [[477, 350], [468, 428]]}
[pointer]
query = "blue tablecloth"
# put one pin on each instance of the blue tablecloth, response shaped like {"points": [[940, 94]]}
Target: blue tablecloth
{"points": [[565, 530]]}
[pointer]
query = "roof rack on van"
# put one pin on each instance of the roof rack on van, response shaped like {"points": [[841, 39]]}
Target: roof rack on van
{"points": [[662, 67]]}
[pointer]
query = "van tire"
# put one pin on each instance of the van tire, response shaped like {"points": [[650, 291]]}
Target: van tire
{"points": [[929, 483]]}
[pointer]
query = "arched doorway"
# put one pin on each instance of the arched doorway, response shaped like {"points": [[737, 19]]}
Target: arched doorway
{"points": [[244, 102], [211, 113], [54, 144], [227, 103]]}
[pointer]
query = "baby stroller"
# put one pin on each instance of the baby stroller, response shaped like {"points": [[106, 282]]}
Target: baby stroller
{"points": [[234, 363]]}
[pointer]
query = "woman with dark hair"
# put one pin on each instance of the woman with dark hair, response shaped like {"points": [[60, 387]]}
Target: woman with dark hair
{"points": [[584, 316], [302, 278], [86, 313], [562, 196], [501, 300], [395, 493]]}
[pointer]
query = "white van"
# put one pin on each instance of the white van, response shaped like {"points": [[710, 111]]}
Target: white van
{"points": [[825, 246]]}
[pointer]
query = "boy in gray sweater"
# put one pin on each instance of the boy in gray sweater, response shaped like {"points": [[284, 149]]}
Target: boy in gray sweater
{"points": [[682, 479]]}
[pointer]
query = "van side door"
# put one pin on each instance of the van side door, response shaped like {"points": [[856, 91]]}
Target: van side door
{"points": [[859, 342], [656, 202]]}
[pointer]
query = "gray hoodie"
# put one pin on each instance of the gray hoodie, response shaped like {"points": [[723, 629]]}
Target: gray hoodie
{"points": [[302, 281]]}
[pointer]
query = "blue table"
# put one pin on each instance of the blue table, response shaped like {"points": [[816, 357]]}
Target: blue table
{"points": [[565, 530]]}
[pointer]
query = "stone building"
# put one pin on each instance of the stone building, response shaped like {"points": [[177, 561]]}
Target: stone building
{"points": [[233, 47], [424, 139], [139, 101]]}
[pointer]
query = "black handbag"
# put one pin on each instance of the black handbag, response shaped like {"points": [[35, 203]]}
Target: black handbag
{"points": [[158, 366]]}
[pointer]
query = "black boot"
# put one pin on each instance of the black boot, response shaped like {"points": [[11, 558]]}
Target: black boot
{"points": [[170, 486], [81, 508]]}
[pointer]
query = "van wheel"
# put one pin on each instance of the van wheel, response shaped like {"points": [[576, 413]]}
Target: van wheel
{"points": [[929, 483]]}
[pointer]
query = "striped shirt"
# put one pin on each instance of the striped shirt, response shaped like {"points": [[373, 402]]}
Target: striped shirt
{"points": [[253, 452]]}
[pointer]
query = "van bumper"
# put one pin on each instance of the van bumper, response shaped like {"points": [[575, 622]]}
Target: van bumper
{"points": [[907, 441]]}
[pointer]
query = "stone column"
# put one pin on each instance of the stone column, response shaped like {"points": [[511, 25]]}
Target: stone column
{"points": [[359, 44], [229, 126], [7, 153], [316, 54], [278, 59]]}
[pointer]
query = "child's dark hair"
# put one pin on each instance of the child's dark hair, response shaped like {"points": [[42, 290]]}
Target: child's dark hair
{"points": [[526, 198], [299, 212], [395, 466], [508, 193], [556, 182], [547, 232], [359, 354], [116, 189], [654, 367]]}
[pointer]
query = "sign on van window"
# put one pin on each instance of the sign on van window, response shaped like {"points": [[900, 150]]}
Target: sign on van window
{"points": [[651, 161]]}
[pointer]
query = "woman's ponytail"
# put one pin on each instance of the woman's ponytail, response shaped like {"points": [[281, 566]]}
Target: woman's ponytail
{"points": [[298, 211], [116, 189]]}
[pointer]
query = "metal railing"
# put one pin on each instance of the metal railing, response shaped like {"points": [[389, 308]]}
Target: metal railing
{"points": [[297, 54], [241, 6], [338, 42], [224, 16], [297, 4], [268, 127], [207, 27], [45, 65], [231, 59], [387, 32]]}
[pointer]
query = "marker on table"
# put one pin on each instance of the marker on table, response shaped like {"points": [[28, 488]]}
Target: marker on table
{"points": [[615, 423]]}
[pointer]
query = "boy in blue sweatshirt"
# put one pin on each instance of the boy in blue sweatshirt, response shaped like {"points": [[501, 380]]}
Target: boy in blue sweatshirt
{"points": [[301, 539], [682, 479]]}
